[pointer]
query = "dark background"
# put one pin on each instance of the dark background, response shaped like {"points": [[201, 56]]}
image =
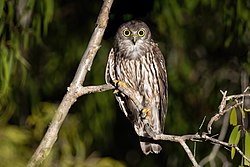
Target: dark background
{"points": [[206, 47]]}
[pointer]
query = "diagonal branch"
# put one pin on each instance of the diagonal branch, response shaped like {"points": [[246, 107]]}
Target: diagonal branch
{"points": [[75, 87], [189, 153]]}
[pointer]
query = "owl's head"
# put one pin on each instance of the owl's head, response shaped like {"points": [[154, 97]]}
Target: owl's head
{"points": [[134, 31], [132, 37]]}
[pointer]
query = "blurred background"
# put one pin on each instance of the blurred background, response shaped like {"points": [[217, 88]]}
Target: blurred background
{"points": [[206, 45]]}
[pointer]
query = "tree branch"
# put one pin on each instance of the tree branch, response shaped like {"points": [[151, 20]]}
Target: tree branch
{"points": [[135, 97], [94, 89], [75, 89], [223, 107], [196, 136], [189, 153], [216, 148]]}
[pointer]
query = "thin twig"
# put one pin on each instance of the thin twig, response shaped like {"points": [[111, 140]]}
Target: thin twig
{"points": [[216, 148], [73, 91], [227, 145], [204, 137], [238, 96], [223, 109], [189, 153]]}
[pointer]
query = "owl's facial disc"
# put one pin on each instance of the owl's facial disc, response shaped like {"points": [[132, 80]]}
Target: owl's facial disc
{"points": [[133, 39], [134, 35]]}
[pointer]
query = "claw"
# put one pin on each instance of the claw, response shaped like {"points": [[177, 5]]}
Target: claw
{"points": [[115, 91], [116, 82], [146, 113], [120, 83]]}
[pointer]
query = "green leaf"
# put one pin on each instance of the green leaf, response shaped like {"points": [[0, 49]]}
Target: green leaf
{"points": [[48, 14], [236, 143], [237, 138], [233, 117], [232, 153], [2, 27], [247, 148], [228, 41], [233, 134], [36, 26], [234, 139], [1, 7]]}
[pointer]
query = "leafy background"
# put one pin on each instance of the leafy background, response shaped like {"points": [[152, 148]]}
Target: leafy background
{"points": [[206, 45]]}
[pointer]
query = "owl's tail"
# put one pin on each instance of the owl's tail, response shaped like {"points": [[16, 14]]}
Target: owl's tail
{"points": [[150, 148]]}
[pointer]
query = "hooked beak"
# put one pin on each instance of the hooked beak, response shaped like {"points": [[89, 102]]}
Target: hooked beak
{"points": [[134, 39]]}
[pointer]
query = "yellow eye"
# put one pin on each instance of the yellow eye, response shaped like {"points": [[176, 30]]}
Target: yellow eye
{"points": [[126, 33], [141, 33]]}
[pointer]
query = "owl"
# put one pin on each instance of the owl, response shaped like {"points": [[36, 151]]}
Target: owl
{"points": [[137, 62]]}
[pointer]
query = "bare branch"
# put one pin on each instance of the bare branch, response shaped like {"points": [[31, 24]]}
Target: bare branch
{"points": [[216, 148], [189, 153], [226, 145], [218, 116], [193, 137], [94, 89], [238, 96], [134, 95], [75, 88], [223, 107], [94, 44]]}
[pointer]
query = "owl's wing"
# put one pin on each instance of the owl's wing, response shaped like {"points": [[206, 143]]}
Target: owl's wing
{"points": [[162, 81], [110, 76], [110, 68]]}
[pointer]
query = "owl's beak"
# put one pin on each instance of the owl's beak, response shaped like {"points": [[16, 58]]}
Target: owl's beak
{"points": [[134, 39]]}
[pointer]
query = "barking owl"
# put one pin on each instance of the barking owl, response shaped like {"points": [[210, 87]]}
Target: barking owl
{"points": [[137, 62]]}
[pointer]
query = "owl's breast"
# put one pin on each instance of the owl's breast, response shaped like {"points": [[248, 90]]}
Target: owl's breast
{"points": [[129, 71], [139, 74], [130, 50]]}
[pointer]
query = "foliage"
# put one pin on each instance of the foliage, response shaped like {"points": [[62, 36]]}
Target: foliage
{"points": [[206, 44], [239, 133]]}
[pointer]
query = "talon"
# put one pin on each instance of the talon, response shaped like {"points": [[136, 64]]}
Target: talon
{"points": [[120, 83], [146, 113], [116, 82], [115, 91]]}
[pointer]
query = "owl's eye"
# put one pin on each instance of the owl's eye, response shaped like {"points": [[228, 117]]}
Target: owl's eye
{"points": [[126, 33], [141, 33]]}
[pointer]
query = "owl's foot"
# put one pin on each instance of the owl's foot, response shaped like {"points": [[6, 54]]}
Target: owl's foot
{"points": [[116, 91], [120, 83], [146, 113], [117, 84]]}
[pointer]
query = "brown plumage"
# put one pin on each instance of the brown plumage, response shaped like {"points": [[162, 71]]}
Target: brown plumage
{"points": [[137, 61]]}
